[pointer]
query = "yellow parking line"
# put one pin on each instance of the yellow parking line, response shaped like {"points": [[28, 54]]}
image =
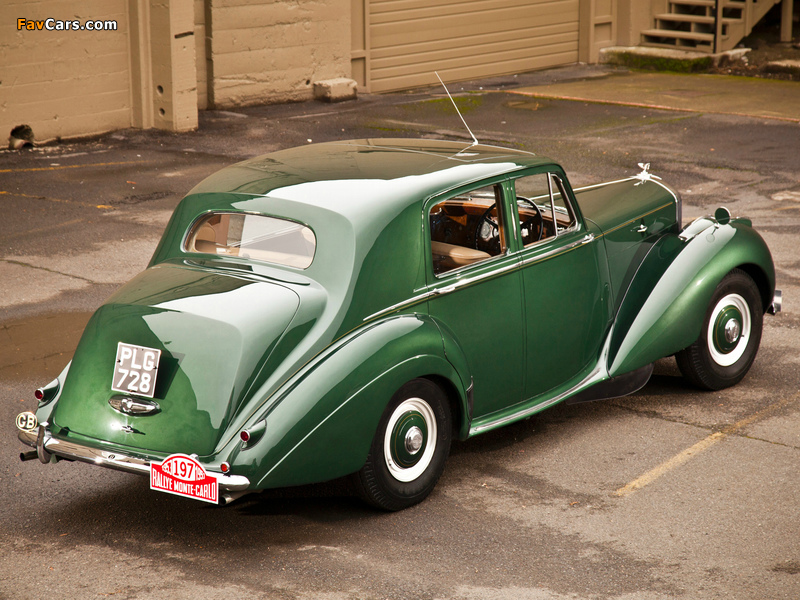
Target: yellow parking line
{"points": [[703, 444], [48, 198], [60, 167]]}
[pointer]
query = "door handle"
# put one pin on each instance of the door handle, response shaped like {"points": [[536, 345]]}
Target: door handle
{"points": [[642, 228]]}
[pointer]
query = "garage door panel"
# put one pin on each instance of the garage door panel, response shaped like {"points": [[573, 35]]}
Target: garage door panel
{"points": [[397, 39], [450, 25], [447, 65], [475, 71], [512, 40], [465, 40], [385, 11]]}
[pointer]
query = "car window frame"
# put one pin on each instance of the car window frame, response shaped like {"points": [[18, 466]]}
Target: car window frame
{"points": [[566, 193], [239, 259], [509, 232]]}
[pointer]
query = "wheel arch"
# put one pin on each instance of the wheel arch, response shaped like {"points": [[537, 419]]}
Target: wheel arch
{"points": [[665, 305], [762, 281], [321, 425], [458, 404]]}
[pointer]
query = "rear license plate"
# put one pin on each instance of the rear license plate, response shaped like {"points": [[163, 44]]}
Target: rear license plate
{"points": [[135, 370]]}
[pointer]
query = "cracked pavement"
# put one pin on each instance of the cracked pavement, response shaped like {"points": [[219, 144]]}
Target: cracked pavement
{"points": [[532, 511]]}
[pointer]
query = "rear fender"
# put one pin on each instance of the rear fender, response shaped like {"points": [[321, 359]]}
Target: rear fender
{"points": [[665, 305], [321, 425], [46, 406]]}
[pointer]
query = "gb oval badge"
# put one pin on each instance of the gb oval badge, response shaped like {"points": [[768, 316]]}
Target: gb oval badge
{"points": [[27, 421]]}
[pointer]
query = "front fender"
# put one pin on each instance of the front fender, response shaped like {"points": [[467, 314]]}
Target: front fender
{"points": [[666, 303], [323, 421]]}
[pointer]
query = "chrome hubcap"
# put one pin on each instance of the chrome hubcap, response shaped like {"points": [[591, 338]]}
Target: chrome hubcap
{"points": [[414, 439], [732, 329], [729, 330]]}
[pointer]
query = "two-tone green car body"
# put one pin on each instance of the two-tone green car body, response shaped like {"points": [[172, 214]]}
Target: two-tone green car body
{"points": [[349, 308]]}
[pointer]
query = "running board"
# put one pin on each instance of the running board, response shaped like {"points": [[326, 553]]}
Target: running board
{"points": [[621, 385]]}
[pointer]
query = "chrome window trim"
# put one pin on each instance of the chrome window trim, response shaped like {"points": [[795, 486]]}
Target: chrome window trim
{"points": [[589, 237]]}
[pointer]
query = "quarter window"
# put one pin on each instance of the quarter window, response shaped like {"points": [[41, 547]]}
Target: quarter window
{"points": [[257, 237]]}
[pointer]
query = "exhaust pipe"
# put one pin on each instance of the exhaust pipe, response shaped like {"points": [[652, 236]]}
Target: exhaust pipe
{"points": [[777, 302], [31, 455], [225, 498]]}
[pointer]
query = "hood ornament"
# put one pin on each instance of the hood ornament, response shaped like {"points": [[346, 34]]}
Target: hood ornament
{"points": [[133, 406], [645, 175]]}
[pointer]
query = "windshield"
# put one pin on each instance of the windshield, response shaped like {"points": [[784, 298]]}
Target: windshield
{"points": [[258, 237]]}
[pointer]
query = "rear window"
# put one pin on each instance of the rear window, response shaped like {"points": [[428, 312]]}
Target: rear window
{"points": [[257, 237]]}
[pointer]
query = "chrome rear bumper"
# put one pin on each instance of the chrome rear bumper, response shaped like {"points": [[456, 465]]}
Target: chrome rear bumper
{"points": [[48, 447]]}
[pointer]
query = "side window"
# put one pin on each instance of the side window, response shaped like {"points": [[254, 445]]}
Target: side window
{"points": [[467, 228], [259, 237], [544, 211]]}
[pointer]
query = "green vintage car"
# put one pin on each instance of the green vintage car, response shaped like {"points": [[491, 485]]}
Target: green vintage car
{"points": [[348, 308]]}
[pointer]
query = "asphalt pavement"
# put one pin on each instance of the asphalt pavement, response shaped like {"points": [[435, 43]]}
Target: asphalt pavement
{"points": [[669, 493]]}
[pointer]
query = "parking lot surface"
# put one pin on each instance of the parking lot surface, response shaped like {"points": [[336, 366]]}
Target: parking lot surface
{"points": [[669, 493]]}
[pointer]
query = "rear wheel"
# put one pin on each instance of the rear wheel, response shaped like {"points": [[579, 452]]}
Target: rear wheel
{"points": [[731, 334], [410, 448]]}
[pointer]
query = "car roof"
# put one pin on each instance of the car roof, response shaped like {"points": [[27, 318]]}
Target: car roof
{"points": [[366, 171]]}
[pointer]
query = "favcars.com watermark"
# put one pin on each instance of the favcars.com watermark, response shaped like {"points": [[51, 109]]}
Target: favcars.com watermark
{"points": [[58, 25]]}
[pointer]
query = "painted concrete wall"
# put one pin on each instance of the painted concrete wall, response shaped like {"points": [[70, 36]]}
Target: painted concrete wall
{"points": [[63, 83], [261, 52]]}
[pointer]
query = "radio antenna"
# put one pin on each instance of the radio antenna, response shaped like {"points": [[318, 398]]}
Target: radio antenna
{"points": [[474, 139]]}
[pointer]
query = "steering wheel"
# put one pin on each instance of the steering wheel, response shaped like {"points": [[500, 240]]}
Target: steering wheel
{"points": [[487, 231], [532, 227]]}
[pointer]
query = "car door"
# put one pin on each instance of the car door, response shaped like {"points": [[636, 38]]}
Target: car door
{"points": [[476, 292], [565, 285]]}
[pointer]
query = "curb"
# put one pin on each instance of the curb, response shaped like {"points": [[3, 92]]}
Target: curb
{"points": [[665, 59]]}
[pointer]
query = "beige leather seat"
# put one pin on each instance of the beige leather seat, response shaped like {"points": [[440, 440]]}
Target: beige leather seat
{"points": [[450, 256], [206, 239]]}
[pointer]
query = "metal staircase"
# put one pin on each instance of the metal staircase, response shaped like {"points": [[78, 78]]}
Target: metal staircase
{"points": [[706, 25]]}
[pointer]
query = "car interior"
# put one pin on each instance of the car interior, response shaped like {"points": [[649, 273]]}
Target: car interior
{"points": [[466, 229]]}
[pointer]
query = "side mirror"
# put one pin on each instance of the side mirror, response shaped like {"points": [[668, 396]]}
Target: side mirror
{"points": [[722, 215]]}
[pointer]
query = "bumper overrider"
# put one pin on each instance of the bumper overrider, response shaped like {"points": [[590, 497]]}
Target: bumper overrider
{"points": [[50, 449]]}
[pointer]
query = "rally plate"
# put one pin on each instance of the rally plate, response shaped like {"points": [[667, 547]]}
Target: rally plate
{"points": [[184, 476]]}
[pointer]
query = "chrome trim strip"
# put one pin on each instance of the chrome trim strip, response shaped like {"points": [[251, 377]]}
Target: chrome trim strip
{"points": [[602, 184], [113, 460], [457, 285], [133, 406], [598, 373], [589, 237], [405, 303], [447, 289]]}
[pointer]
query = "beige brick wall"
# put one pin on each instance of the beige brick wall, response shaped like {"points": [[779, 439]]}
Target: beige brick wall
{"points": [[273, 51], [64, 83]]}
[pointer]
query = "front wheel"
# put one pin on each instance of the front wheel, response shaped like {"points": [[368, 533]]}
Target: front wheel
{"points": [[409, 449], [731, 334]]}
